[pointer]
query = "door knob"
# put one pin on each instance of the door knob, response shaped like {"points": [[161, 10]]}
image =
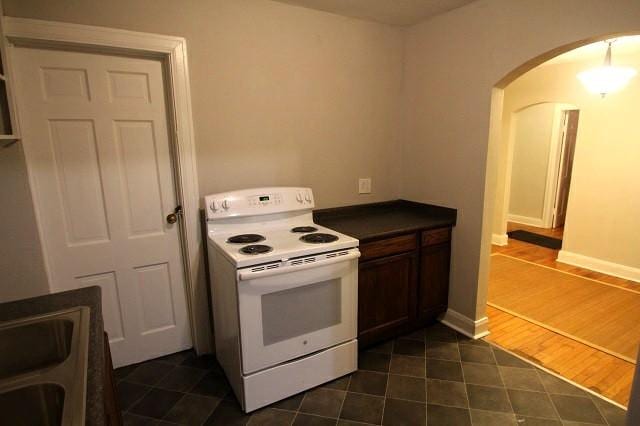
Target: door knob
{"points": [[173, 217]]}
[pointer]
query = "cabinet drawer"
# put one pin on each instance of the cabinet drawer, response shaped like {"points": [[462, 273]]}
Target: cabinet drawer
{"points": [[388, 247], [436, 236]]}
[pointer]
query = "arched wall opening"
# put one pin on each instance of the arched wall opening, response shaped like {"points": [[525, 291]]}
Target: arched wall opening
{"points": [[495, 144]]}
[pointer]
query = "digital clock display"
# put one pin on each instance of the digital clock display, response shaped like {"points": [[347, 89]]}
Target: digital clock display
{"points": [[264, 198]]}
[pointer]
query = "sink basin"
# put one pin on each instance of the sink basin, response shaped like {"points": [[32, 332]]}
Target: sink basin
{"points": [[40, 404], [43, 368], [53, 339]]}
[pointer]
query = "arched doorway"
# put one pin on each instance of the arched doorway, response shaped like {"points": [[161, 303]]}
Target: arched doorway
{"points": [[497, 137]]}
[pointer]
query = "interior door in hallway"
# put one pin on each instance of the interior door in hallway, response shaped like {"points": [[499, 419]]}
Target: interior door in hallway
{"points": [[567, 150], [98, 152]]}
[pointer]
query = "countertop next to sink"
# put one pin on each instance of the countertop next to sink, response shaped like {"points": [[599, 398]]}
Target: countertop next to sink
{"points": [[368, 222], [88, 296]]}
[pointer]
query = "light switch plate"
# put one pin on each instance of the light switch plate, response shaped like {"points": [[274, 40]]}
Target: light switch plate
{"points": [[364, 186]]}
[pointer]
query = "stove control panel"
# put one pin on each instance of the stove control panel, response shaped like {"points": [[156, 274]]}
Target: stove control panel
{"points": [[258, 201], [265, 199]]}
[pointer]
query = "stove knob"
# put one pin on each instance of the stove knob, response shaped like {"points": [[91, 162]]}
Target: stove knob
{"points": [[214, 206], [225, 204], [299, 197], [307, 197]]}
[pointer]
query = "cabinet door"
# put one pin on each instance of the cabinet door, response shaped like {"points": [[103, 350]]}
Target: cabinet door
{"points": [[386, 296], [433, 290]]}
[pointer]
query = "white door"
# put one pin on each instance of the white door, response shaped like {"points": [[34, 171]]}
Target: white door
{"points": [[97, 148]]}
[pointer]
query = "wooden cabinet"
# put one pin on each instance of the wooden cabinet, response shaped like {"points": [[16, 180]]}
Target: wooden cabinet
{"points": [[403, 284], [433, 288], [386, 296]]}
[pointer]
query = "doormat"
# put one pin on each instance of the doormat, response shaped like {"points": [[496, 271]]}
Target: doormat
{"points": [[537, 239]]}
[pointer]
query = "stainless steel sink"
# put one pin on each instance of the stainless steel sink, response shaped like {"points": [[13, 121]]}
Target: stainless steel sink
{"points": [[41, 404], [49, 343], [43, 368]]}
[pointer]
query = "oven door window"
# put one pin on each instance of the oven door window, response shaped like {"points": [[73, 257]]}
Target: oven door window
{"points": [[294, 312]]}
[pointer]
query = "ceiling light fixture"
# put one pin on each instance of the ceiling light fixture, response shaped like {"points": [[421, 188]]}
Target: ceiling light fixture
{"points": [[607, 78]]}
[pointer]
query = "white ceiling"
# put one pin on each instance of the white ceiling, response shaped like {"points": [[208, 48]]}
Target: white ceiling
{"points": [[393, 12], [622, 46]]}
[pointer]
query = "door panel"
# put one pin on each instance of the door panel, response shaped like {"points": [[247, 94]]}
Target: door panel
{"points": [[433, 291], [137, 156], [78, 176], [111, 316], [60, 84], [154, 286], [129, 87], [386, 295], [97, 148]]}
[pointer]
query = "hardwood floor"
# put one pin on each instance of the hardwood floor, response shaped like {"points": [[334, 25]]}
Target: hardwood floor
{"points": [[547, 257], [597, 314], [603, 373]]}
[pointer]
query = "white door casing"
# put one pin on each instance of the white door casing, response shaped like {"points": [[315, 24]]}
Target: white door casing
{"points": [[95, 133]]}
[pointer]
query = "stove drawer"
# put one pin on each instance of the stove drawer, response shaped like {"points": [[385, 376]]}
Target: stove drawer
{"points": [[273, 384]]}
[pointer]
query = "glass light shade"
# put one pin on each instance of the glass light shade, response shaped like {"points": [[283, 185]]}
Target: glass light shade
{"points": [[606, 79]]}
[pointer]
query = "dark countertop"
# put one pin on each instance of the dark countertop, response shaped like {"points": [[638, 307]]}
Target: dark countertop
{"points": [[88, 296], [368, 222]]}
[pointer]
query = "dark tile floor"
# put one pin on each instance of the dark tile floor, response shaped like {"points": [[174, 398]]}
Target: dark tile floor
{"points": [[435, 376]]}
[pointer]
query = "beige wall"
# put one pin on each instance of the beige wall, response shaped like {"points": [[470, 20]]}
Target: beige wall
{"points": [[452, 63], [282, 95], [531, 147], [21, 264], [604, 200]]}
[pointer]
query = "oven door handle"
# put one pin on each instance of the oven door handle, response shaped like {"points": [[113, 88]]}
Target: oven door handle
{"points": [[248, 275]]}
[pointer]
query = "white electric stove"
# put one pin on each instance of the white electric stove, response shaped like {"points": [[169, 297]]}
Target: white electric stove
{"points": [[284, 294]]}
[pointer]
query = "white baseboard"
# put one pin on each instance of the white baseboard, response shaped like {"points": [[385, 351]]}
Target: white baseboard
{"points": [[599, 265], [525, 220], [465, 325], [499, 239]]}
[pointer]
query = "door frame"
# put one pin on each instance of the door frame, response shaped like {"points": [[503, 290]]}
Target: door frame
{"points": [[546, 219], [172, 52]]}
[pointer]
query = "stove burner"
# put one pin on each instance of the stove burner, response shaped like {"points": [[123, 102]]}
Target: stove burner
{"points": [[256, 249], [318, 238], [245, 239], [304, 229]]}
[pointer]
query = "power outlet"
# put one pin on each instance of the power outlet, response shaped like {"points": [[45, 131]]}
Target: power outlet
{"points": [[364, 186]]}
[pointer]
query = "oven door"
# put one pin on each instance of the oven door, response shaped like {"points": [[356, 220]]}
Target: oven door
{"points": [[298, 307]]}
